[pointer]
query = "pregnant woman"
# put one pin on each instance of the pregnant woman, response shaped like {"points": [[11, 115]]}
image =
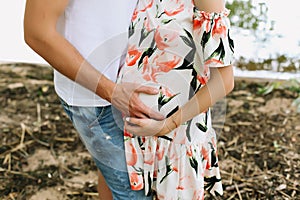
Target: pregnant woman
{"points": [[184, 48]]}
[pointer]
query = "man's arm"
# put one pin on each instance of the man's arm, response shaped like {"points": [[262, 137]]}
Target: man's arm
{"points": [[40, 34]]}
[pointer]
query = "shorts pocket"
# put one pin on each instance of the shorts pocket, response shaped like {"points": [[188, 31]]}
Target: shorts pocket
{"points": [[99, 111]]}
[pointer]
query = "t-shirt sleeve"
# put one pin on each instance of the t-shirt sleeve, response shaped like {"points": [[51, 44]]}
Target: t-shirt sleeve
{"points": [[214, 45]]}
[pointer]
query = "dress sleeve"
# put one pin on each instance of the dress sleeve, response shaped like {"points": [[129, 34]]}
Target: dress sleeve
{"points": [[214, 46]]}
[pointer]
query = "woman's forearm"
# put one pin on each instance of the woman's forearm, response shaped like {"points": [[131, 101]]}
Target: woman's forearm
{"points": [[220, 84]]}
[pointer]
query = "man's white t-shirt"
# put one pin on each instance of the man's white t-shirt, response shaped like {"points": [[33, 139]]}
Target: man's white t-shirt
{"points": [[99, 30]]}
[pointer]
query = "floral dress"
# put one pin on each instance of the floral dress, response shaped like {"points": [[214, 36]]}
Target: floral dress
{"points": [[172, 46]]}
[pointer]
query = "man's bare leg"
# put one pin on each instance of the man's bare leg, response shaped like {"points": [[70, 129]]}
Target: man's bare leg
{"points": [[103, 189]]}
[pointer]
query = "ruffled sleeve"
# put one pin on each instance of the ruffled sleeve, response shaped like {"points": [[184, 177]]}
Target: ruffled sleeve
{"points": [[214, 45]]}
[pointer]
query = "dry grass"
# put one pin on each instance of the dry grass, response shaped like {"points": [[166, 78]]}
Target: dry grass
{"points": [[41, 154]]}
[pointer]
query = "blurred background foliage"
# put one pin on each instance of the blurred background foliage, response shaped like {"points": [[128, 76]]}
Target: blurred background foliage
{"points": [[245, 14], [248, 15], [253, 16]]}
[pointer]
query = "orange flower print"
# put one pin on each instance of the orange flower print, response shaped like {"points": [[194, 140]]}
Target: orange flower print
{"points": [[160, 151], [189, 152], [179, 188], [135, 14], [166, 63], [219, 28], [161, 63], [173, 7], [186, 180], [147, 6], [127, 134], [149, 156], [165, 38], [197, 23], [149, 72], [179, 138], [166, 92], [199, 194], [175, 169], [204, 78], [202, 21], [131, 155], [205, 154], [212, 62], [136, 181], [133, 55], [147, 24], [155, 174]]}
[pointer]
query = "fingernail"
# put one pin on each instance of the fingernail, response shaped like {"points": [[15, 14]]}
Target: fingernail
{"points": [[127, 119]]}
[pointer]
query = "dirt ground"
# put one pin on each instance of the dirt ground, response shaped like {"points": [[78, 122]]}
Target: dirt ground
{"points": [[41, 156]]}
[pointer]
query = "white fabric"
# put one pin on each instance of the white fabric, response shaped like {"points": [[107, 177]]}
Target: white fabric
{"points": [[99, 30]]}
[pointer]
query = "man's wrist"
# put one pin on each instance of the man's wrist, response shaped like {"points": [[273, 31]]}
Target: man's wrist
{"points": [[106, 89]]}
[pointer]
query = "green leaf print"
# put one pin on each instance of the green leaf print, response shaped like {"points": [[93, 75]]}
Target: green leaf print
{"points": [[188, 61], [219, 51], [188, 130], [231, 43], [193, 84], [166, 21], [162, 99], [210, 182], [188, 40], [131, 30], [169, 170], [148, 53], [206, 117], [189, 58], [144, 34], [172, 111], [149, 185], [205, 39], [198, 88], [166, 138], [194, 164], [203, 128], [214, 160]]}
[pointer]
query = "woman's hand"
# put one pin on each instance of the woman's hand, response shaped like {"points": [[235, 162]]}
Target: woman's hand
{"points": [[147, 127]]}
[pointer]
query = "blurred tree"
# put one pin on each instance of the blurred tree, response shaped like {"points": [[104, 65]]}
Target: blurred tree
{"points": [[252, 16]]}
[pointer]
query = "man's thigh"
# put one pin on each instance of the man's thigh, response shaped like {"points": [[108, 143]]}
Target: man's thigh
{"points": [[101, 130]]}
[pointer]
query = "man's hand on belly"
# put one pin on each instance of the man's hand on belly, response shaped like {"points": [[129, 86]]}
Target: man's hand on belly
{"points": [[125, 98]]}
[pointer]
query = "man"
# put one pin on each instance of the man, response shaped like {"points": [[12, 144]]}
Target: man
{"points": [[84, 41]]}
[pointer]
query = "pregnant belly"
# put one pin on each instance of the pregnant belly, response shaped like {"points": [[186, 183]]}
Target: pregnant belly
{"points": [[164, 102], [174, 88]]}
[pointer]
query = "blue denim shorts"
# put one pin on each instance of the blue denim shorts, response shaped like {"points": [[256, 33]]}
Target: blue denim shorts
{"points": [[101, 131]]}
